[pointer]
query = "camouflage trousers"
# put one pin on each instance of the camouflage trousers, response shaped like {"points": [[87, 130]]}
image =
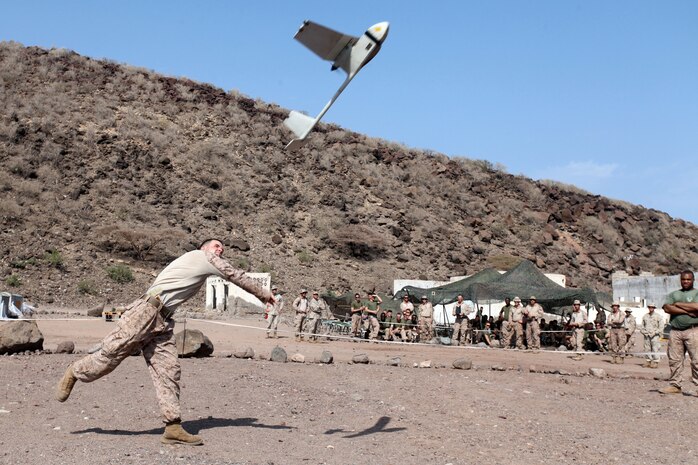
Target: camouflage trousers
{"points": [[374, 326], [505, 335], [652, 344], [617, 341], [519, 334], [141, 327], [272, 324], [680, 342], [460, 328], [629, 342], [298, 323], [533, 334], [578, 340], [355, 323], [312, 324], [426, 329]]}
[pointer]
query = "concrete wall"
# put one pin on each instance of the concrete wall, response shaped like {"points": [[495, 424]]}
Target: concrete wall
{"points": [[224, 296]]}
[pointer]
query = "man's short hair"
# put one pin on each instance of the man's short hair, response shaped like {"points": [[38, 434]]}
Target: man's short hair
{"points": [[208, 241], [687, 272]]}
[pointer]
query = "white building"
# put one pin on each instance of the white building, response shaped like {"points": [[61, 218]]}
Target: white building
{"points": [[224, 296]]}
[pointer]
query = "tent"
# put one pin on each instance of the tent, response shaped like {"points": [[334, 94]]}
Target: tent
{"points": [[448, 293], [523, 281]]}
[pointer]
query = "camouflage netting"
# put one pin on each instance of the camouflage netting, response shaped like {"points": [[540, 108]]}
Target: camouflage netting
{"points": [[523, 281]]}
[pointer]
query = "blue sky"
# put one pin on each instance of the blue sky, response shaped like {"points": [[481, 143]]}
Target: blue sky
{"points": [[599, 94]]}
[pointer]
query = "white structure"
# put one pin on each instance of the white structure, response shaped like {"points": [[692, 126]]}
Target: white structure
{"points": [[224, 296], [637, 291]]}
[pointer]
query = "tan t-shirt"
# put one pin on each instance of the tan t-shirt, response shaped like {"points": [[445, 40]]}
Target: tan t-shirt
{"points": [[183, 277]]}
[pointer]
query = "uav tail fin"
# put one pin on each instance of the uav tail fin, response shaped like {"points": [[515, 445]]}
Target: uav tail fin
{"points": [[299, 123]]}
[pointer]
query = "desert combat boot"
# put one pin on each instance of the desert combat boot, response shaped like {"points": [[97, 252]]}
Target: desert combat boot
{"points": [[65, 385], [175, 434]]}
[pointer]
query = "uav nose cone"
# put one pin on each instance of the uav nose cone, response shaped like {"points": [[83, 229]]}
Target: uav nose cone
{"points": [[380, 31]]}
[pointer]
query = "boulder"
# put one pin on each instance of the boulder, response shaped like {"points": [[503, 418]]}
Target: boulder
{"points": [[462, 364], [597, 372], [240, 245], [18, 336], [65, 347], [326, 357], [247, 353], [96, 311], [360, 358], [278, 354], [193, 343], [425, 364], [298, 358], [394, 362]]}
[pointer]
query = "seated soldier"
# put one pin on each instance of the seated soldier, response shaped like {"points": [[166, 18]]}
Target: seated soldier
{"points": [[485, 335], [600, 338], [396, 328]]}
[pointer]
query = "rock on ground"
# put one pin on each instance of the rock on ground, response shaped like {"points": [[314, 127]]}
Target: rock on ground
{"points": [[65, 347], [298, 358], [463, 364], [248, 352], [597, 372], [278, 354], [326, 357], [19, 336], [360, 358], [193, 343]]}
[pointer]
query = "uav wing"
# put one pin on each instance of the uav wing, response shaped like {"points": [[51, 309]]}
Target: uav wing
{"points": [[324, 42]]}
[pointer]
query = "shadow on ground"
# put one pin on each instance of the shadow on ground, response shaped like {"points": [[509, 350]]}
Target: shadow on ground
{"points": [[194, 426]]}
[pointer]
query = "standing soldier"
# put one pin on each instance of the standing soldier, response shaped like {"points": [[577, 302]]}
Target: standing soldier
{"points": [[682, 305], [372, 307], [460, 325], [534, 313], [578, 321], [357, 307], [148, 326], [516, 321], [274, 312], [651, 330], [300, 305], [617, 339], [426, 320], [505, 332], [316, 308], [630, 325]]}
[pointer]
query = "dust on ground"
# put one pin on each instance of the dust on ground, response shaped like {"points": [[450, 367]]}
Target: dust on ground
{"points": [[512, 408]]}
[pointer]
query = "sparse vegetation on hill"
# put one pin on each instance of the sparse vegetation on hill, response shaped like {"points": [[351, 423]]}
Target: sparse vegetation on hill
{"points": [[106, 163]]}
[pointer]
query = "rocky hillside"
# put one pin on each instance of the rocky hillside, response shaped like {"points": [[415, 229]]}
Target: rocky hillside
{"points": [[110, 171]]}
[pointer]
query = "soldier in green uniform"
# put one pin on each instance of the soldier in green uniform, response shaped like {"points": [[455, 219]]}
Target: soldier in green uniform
{"points": [[682, 305], [357, 307]]}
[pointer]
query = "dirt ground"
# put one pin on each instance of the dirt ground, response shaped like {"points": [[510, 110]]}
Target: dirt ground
{"points": [[512, 408]]}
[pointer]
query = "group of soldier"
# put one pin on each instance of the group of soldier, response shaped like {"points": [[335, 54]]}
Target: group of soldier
{"points": [[309, 314], [517, 326]]}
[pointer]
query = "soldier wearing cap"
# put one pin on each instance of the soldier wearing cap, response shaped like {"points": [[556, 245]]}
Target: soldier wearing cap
{"points": [[533, 312], [516, 321], [578, 321], [300, 305], [630, 325], [682, 305], [274, 312], [617, 336], [426, 320], [357, 308], [651, 331], [316, 308]]}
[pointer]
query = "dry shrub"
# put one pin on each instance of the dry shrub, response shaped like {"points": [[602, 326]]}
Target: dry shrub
{"points": [[141, 242], [358, 241]]}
